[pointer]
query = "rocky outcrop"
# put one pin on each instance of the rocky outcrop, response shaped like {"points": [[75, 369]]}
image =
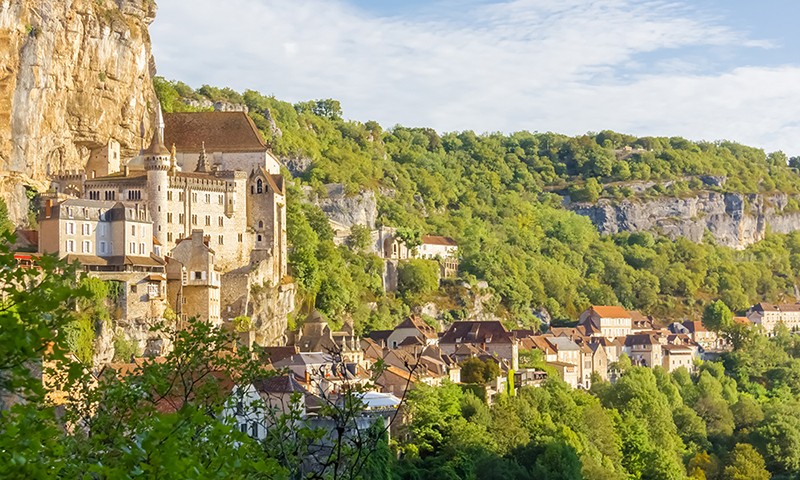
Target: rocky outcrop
{"points": [[297, 166], [247, 292], [218, 106], [734, 220], [75, 75], [348, 210]]}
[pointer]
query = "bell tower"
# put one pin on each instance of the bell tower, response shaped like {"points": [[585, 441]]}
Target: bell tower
{"points": [[157, 164]]}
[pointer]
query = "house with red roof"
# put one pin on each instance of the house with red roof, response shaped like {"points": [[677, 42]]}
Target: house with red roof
{"points": [[606, 321]]}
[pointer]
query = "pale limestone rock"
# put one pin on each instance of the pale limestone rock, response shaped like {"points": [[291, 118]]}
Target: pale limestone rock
{"points": [[735, 220], [75, 74]]}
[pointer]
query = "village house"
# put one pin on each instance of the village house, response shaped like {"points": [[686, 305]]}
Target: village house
{"points": [[613, 347], [540, 344], [643, 350], [567, 371], [606, 321], [700, 335], [442, 249], [490, 336], [768, 315], [194, 280], [594, 360], [640, 323], [114, 242], [677, 356], [412, 327], [566, 350]]}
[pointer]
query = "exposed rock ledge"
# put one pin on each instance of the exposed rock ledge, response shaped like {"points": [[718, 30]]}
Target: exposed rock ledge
{"points": [[75, 74], [735, 220]]}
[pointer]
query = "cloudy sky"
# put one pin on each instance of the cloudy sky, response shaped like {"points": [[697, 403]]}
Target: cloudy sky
{"points": [[702, 69]]}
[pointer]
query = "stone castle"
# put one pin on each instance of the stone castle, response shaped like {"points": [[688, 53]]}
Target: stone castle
{"points": [[218, 188]]}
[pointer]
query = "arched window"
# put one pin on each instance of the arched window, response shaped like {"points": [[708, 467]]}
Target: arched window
{"points": [[260, 224], [259, 186]]}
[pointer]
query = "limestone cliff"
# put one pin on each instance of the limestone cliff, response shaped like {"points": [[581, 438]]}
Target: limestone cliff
{"points": [[348, 210], [75, 73], [735, 220]]}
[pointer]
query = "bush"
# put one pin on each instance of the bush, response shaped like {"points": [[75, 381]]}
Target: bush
{"points": [[242, 324], [125, 348]]}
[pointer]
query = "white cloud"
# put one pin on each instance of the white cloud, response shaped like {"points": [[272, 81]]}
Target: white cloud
{"points": [[559, 65]]}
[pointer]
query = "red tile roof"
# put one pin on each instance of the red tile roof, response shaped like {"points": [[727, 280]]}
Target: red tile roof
{"points": [[695, 326], [221, 132], [434, 240], [610, 312]]}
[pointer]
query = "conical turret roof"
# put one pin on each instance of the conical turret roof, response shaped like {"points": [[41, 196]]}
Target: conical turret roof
{"points": [[157, 144]]}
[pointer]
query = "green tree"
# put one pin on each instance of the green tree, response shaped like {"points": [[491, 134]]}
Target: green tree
{"points": [[417, 276], [360, 238], [717, 317], [745, 464]]}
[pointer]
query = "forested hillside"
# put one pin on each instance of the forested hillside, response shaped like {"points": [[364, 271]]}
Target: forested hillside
{"points": [[493, 194]]}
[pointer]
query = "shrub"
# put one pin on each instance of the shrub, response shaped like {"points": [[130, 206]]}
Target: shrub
{"points": [[125, 348]]}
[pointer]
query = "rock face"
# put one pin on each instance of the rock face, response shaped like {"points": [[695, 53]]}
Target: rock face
{"points": [[735, 220], [247, 292], [75, 75], [349, 210], [297, 166], [219, 106]]}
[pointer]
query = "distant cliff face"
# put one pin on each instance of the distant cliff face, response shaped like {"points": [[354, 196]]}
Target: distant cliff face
{"points": [[348, 210], [74, 75], [735, 220]]}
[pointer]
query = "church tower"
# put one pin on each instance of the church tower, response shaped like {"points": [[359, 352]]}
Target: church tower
{"points": [[157, 164]]}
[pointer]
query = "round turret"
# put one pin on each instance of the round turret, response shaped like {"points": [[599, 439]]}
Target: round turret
{"points": [[157, 164]]}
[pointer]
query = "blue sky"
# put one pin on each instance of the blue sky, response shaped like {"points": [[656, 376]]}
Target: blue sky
{"points": [[705, 70]]}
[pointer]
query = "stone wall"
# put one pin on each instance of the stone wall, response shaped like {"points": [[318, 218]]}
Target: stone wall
{"points": [[76, 75], [735, 220]]}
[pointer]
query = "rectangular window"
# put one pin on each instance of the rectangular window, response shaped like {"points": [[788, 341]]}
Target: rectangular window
{"points": [[169, 236], [132, 247], [194, 198], [180, 196], [169, 195], [103, 229], [70, 246], [87, 246], [169, 218], [221, 200], [240, 238], [208, 198], [208, 220], [85, 228], [221, 221], [220, 239], [198, 275], [133, 230], [70, 228], [194, 219], [180, 218], [103, 246], [141, 249]]}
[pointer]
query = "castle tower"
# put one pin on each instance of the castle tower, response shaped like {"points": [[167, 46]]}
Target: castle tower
{"points": [[157, 164]]}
